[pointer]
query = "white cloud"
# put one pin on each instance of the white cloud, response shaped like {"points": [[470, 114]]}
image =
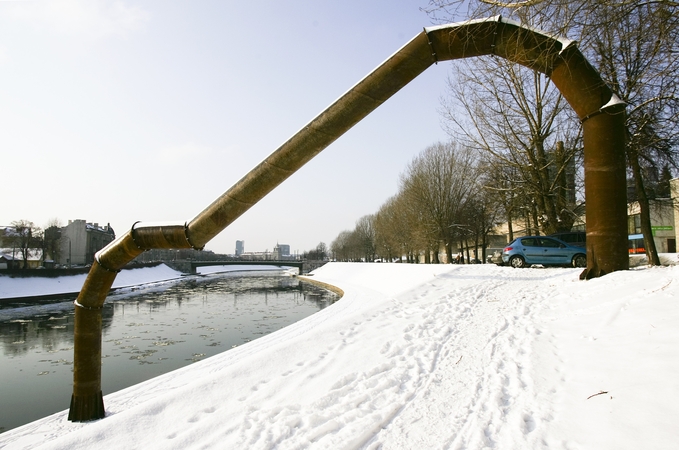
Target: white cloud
{"points": [[95, 19]]}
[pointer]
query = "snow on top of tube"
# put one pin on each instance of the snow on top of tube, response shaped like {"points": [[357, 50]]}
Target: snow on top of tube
{"points": [[615, 100], [565, 42], [138, 225]]}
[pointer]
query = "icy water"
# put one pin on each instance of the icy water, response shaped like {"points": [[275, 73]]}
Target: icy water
{"points": [[144, 335]]}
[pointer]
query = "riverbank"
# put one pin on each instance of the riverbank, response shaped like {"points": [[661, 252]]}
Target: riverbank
{"points": [[14, 289], [26, 288], [146, 333], [423, 356]]}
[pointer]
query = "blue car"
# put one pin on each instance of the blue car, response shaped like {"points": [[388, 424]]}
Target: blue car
{"points": [[547, 251]]}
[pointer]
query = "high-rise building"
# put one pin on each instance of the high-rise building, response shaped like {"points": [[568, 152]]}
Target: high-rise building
{"points": [[284, 249], [240, 247], [281, 251]]}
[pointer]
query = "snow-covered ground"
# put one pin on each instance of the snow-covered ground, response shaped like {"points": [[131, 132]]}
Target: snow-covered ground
{"points": [[35, 286], [419, 357], [127, 279]]}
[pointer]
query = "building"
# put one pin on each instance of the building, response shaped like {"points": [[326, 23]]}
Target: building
{"points": [[14, 246], [80, 240], [240, 248], [281, 251], [7, 262], [663, 223]]}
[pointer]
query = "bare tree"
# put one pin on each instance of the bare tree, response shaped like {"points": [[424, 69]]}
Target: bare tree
{"points": [[346, 246], [24, 237], [483, 217], [319, 253], [365, 233], [388, 221], [52, 240], [517, 118], [440, 183]]}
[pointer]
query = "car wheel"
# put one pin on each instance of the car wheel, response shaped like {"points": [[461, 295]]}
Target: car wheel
{"points": [[579, 261], [517, 262]]}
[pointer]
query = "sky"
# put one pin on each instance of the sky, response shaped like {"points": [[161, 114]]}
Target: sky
{"points": [[119, 111], [422, 356]]}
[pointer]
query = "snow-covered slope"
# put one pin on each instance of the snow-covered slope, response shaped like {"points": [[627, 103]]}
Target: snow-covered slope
{"points": [[35, 286], [423, 356]]}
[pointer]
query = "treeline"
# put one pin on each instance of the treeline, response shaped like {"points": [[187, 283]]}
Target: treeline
{"points": [[442, 206]]}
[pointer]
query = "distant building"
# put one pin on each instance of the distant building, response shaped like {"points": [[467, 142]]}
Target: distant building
{"points": [[7, 262], [12, 251], [80, 240], [664, 220], [281, 251], [15, 259], [257, 256], [240, 248]]}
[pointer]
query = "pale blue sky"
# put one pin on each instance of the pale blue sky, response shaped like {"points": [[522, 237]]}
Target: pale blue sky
{"points": [[149, 110]]}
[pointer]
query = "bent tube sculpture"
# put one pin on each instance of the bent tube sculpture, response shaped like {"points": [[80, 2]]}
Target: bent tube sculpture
{"points": [[598, 108]]}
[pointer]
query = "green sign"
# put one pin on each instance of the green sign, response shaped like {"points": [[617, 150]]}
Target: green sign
{"points": [[662, 228]]}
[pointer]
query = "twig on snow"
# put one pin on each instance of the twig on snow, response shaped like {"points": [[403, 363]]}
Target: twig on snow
{"points": [[598, 393], [662, 288]]}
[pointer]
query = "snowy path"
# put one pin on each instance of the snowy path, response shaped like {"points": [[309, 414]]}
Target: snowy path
{"points": [[480, 384], [414, 357]]}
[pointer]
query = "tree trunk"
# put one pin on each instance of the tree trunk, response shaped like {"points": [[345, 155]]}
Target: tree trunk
{"points": [[510, 227], [483, 248], [449, 252], [644, 211], [536, 222]]}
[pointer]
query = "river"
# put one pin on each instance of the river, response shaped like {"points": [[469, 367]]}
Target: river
{"points": [[145, 334]]}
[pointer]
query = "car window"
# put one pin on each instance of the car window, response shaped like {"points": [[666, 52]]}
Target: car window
{"points": [[549, 243], [530, 242], [571, 238]]}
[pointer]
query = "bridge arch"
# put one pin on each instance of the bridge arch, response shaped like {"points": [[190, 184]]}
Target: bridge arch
{"points": [[601, 113]]}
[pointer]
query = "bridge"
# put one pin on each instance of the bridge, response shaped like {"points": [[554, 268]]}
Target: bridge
{"points": [[189, 266], [289, 263]]}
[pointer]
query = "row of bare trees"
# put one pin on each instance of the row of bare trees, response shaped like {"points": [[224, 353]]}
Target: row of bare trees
{"points": [[452, 197], [516, 116], [441, 206]]}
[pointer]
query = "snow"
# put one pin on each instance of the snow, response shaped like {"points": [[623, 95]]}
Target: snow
{"points": [[126, 280], [34, 286], [423, 356], [565, 42]]}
